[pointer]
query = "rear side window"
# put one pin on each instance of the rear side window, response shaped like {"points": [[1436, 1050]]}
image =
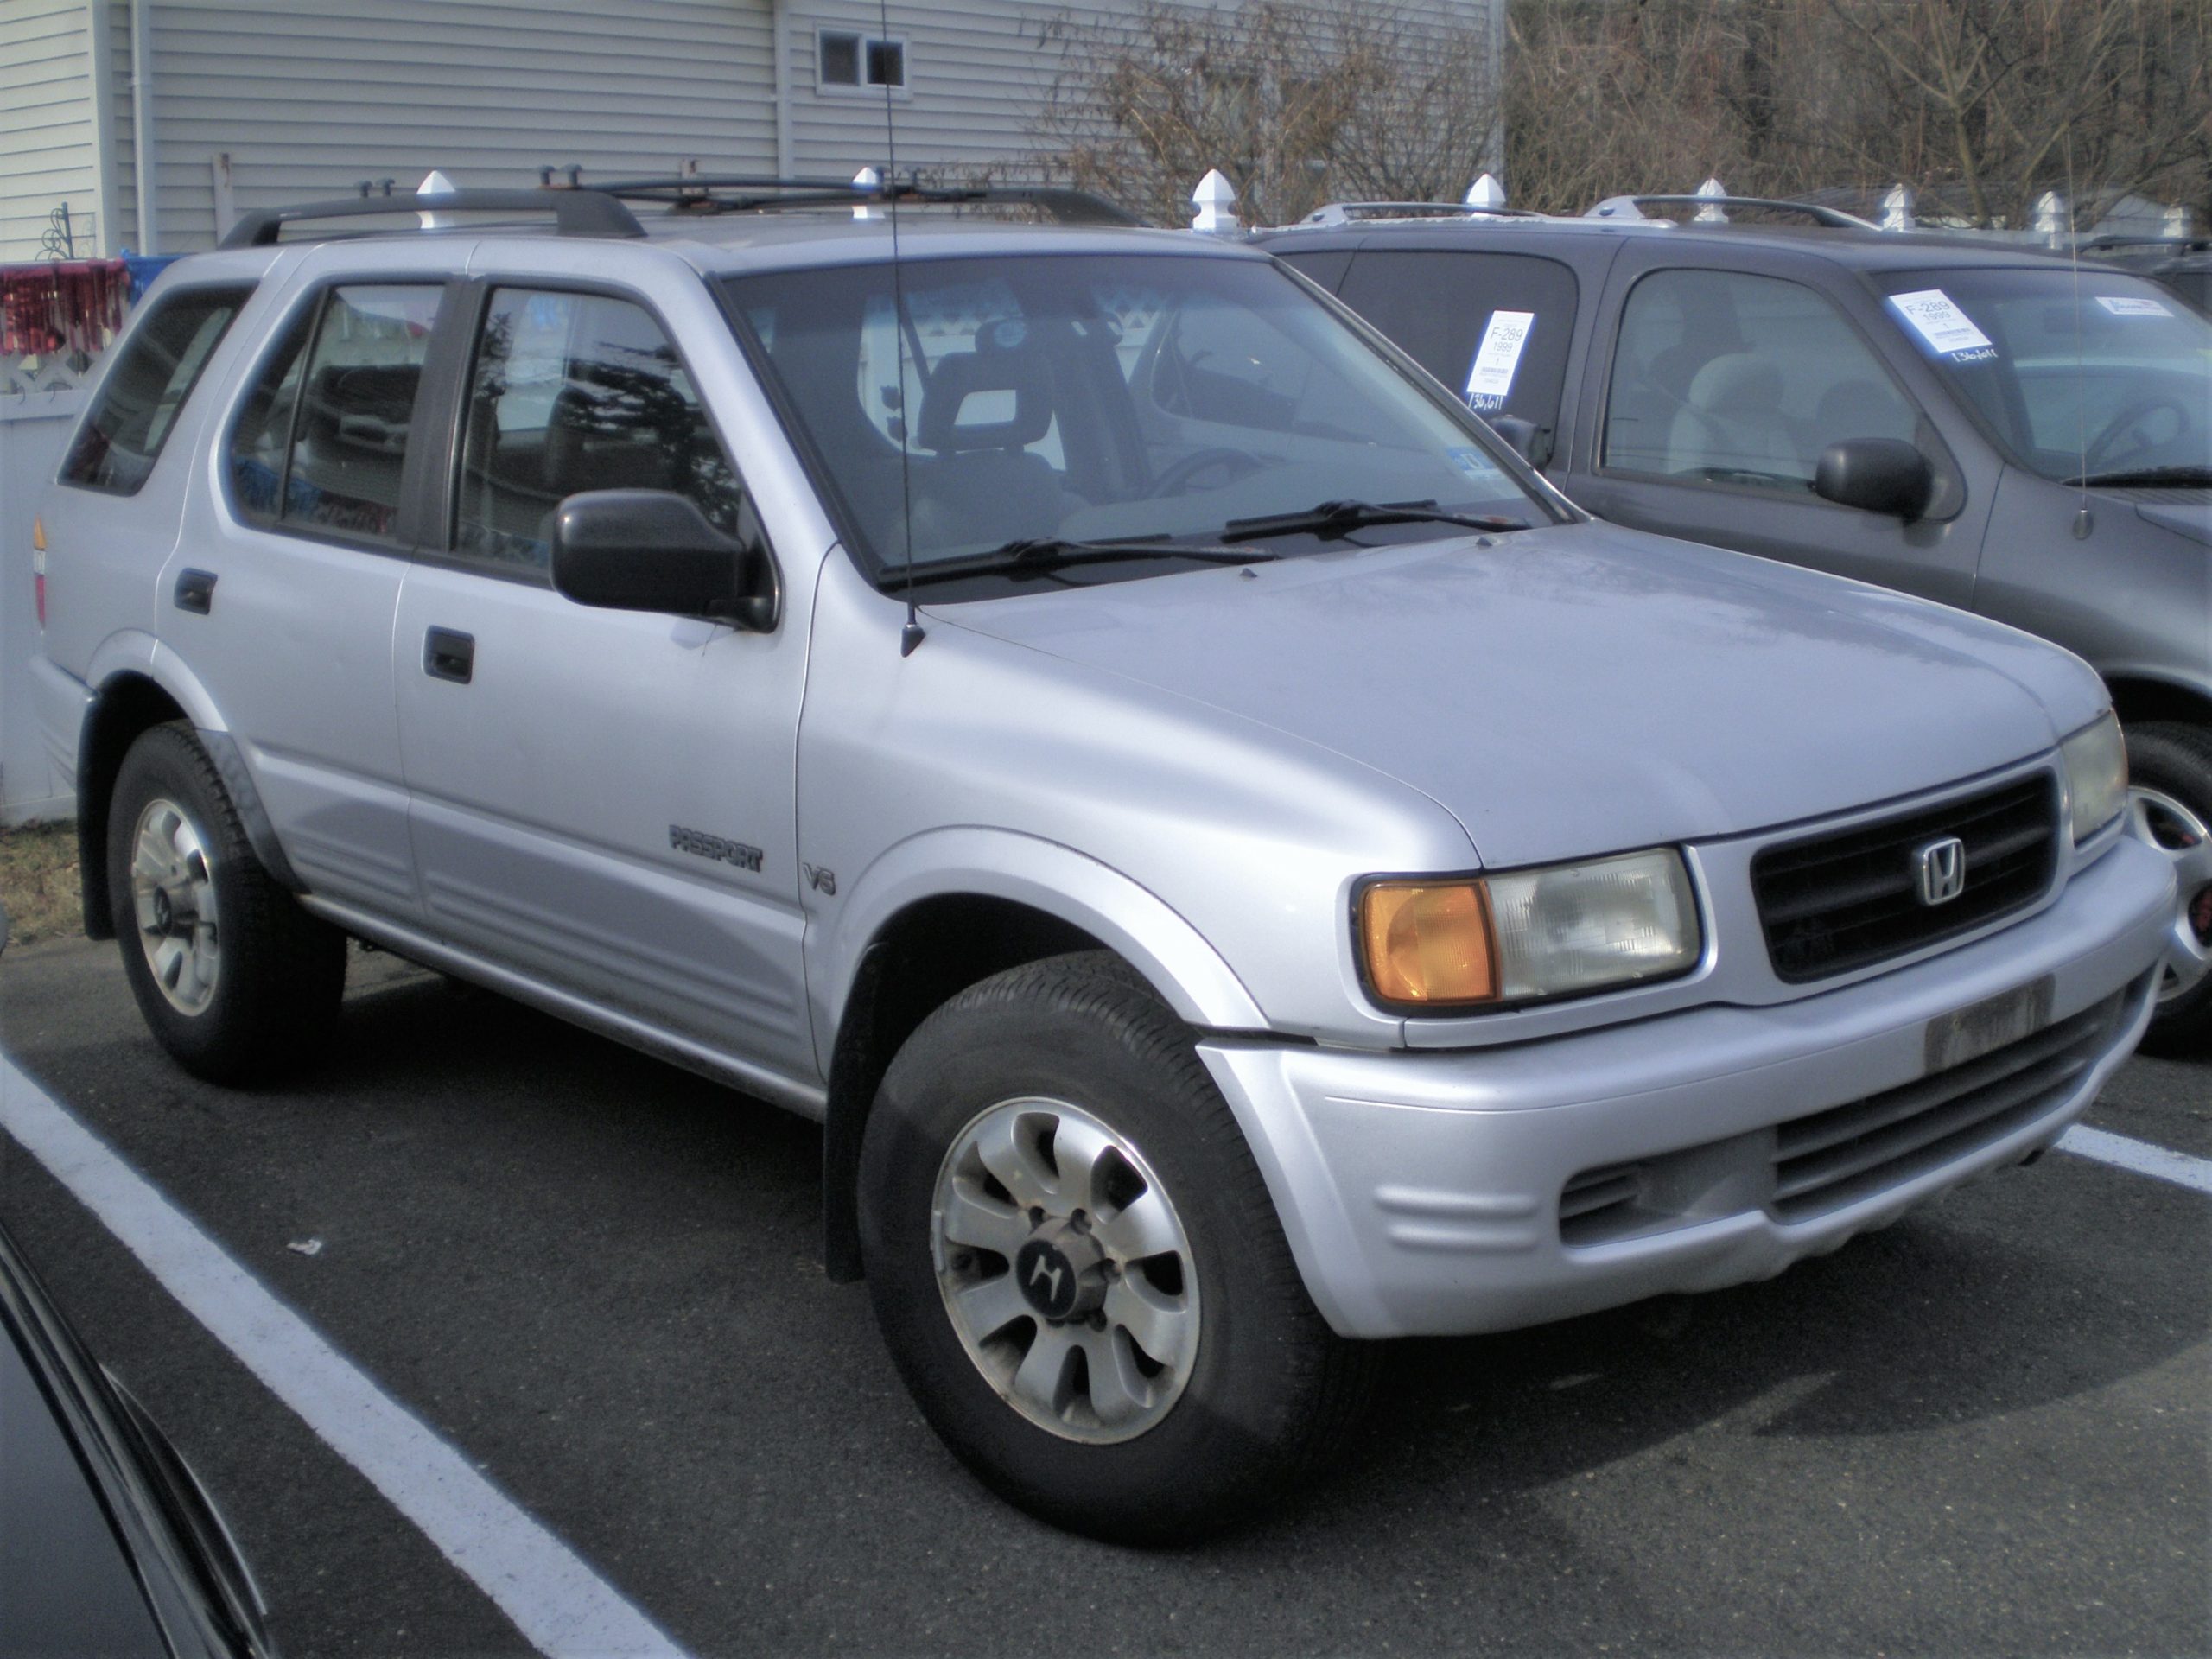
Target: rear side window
{"points": [[139, 402], [321, 441], [574, 392], [1493, 327]]}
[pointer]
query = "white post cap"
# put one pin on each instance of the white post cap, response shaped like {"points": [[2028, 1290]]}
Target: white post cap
{"points": [[2177, 220], [2050, 214], [1485, 192], [1711, 191], [1216, 201], [436, 183], [1897, 208], [868, 178]]}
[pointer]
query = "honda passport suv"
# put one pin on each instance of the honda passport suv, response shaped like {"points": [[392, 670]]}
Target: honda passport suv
{"points": [[1238, 865]]}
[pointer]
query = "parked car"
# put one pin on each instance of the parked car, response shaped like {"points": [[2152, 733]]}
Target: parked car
{"points": [[962, 689], [1987, 426], [108, 1543]]}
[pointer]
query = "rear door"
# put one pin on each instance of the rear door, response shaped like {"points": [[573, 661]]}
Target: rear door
{"points": [[1496, 328], [1713, 384], [281, 590], [602, 800]]}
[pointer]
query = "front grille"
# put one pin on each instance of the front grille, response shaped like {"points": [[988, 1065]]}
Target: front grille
{"points": [[1832, 903], [1832, 1158]]}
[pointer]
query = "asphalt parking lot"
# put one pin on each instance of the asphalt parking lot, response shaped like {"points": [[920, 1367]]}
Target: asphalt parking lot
{"points": [[1983, 1431]]}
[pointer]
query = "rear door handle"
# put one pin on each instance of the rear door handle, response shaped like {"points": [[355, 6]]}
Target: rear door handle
{"points": [[195, 591], [450, 656]]}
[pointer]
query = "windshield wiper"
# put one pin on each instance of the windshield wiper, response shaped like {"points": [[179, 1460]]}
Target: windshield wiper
{"points": [[1336, 519], [1041, 555], [2180, 478]]}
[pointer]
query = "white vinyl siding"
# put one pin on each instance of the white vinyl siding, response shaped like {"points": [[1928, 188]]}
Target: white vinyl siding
{"points": [[48, 154], [308, 99]]}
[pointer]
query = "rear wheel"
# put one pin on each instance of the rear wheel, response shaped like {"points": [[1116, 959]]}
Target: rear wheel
{"points": [[1078, 1267], [2170, 806], [237, 981]]}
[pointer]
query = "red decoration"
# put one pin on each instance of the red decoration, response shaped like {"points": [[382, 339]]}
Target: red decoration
{"points": [[69, 305]]}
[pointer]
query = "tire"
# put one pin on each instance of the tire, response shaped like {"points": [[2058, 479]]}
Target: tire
{"points": [[2169, 805], [1250, 1387], [238, 983]]}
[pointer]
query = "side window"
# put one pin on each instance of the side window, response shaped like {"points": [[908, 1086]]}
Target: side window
{"points": [[321, 440], [123, 431], [1494, 327], [1723, 377], [573, 392]]}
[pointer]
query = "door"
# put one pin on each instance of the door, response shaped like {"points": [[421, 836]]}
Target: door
{"points": [[602, 800], [1711, 398], [282, 591]]}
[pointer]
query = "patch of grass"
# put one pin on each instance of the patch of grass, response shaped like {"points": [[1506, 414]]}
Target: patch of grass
{"points": [[38, 882]]}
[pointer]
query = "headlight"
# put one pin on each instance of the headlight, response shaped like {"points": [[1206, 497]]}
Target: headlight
{"points": [[1435, 945], [2096, 775]]}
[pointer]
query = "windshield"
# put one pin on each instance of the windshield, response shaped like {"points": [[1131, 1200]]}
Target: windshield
{"points": [[1087, 398], [2100, 375]]}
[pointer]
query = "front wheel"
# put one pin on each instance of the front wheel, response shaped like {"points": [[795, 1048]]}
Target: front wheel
{"points": [[1077, 1268], [2170, 806], [237, 981]]}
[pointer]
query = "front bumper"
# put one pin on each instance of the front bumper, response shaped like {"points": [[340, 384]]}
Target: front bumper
{"points": [[1421, 1191]]}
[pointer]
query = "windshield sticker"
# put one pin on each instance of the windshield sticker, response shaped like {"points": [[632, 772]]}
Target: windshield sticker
{"points": [[1477, 466], [1948, 330], [1496, 359], [2132, 305]]}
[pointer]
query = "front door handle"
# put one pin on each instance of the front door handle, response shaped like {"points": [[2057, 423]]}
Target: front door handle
{"points": [[450, 656], [195, 591]]}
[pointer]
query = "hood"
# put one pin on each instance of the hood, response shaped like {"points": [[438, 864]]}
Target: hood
{"points": [[2190, 516], [1583, 688]]}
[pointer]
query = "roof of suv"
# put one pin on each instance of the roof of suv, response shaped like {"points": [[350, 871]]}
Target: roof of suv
{"points": [[1855, 249]]}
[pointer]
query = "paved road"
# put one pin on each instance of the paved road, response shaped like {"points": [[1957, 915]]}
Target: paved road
{"points": [[1982, 1431]]}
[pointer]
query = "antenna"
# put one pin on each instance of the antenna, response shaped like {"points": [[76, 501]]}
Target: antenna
{"points": [[911, 635], [2084, 522]]}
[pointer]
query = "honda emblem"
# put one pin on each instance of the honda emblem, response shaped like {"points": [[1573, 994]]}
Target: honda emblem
{"points": [[1939, 870]]}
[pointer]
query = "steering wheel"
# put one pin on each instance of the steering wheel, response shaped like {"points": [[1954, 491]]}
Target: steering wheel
{"points": [[1175, 478], [2104, 449]]}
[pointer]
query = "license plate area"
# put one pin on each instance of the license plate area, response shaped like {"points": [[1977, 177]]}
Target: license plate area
{"points": [[1982, 1027]]}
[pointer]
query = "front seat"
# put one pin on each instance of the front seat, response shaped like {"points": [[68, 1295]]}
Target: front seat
{"points": [[983, 487], [1731, 421]]}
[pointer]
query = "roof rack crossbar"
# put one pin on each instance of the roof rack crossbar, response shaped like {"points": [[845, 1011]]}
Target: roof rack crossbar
{"points": [[575, 212], [1343, 213], [1833, 219], [759, 192]]}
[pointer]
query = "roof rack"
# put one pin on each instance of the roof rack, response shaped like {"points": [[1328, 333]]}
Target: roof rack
{"points": [[575, 212], [747, 192], [1346, 213], [1633, 207]]}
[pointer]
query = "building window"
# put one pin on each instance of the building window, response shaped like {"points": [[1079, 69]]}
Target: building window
{"points": [[845, 58]]}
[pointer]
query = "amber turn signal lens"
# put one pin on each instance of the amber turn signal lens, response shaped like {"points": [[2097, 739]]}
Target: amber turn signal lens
{"points": [[1428, 944]]}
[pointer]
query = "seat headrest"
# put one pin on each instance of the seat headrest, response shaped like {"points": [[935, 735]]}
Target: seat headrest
{"points": [[1741, 383], [959, 376]]}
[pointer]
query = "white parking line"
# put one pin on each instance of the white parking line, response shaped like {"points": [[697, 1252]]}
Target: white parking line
{"points": [[2159, 1162], [557, 1602]]}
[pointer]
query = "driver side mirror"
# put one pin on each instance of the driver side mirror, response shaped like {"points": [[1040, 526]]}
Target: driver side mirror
{"points": [[1527, 439], [654, 550], [1885, 475]]}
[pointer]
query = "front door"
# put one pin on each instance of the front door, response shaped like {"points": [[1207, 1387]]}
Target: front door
{"points": [[602, 800], [1708, 405]]}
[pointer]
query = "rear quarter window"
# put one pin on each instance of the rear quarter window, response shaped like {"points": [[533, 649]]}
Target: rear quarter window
{"points": [[138, 404]]}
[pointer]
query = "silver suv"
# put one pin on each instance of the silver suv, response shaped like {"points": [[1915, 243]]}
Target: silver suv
{"points": [[1236, 863]]}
